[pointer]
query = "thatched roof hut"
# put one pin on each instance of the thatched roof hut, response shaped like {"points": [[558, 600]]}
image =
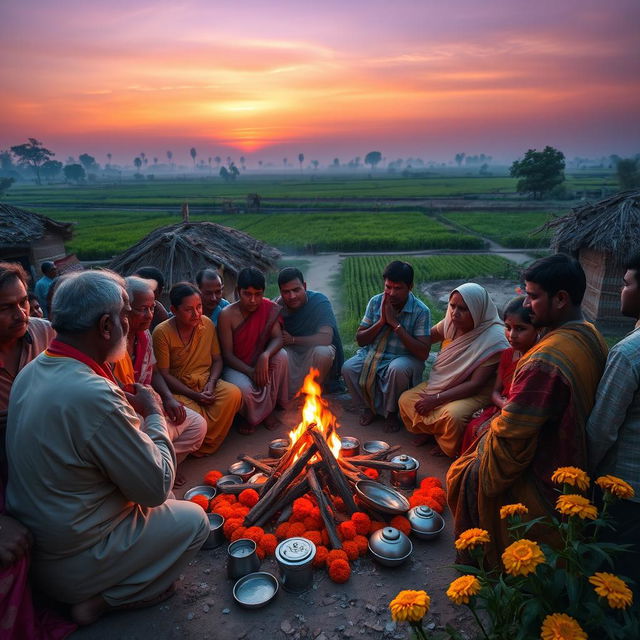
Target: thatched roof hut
{"points": [[30, 238], [181, 250], [603, 236]]}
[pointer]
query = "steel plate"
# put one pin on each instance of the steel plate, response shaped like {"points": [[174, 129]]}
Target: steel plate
{"points": [[255, 589], [382, 498]]}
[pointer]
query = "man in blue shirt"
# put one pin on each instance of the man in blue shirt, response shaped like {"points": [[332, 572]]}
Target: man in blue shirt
{"points": [[211, 288], [43, 285], [394, 343]]}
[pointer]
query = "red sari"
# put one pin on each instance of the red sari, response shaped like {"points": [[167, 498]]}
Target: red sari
{"points": [[251, 336]]}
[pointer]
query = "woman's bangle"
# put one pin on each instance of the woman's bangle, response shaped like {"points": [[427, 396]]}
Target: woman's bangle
{"points": [[395, 330]]}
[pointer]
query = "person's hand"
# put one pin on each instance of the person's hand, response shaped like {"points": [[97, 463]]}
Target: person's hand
{"points": [[144, 400], [500, 401], [261, 372], [15, 541], [175, 410], [389, 314], [425, 404], [287, 338]]}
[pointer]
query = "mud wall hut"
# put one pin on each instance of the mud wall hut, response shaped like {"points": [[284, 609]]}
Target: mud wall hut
{"points": [[603, 236], [181, 250]]}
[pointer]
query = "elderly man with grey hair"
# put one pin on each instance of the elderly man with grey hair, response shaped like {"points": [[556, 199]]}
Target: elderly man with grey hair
{"points": [[87, 476], [186, 428]]}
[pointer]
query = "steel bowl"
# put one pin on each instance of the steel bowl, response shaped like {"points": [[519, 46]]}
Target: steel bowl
{"points": [[278, 447], [381, 498], [349, 446], [375, 446], [390, 547], [258, 478], [425, 522], [205, 490], [255, 590], [242, 469], [216, 533], [229, 479]]}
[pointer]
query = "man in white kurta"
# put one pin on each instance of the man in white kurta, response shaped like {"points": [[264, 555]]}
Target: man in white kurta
{"points": [[87, 477]]}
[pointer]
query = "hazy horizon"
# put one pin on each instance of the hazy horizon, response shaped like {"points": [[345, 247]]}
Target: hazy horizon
{"points": [[269, 81]]}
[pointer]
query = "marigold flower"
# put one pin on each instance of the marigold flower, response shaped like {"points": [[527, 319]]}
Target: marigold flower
{"points": [[363, 544], [201, 501], [371, 473], [230, 526], [409, 606], [572, 504], [325, 537], [211, 477], [237, 534], [462, 588], [296, 529], [362, 522], [311, 523], [615, 486], [339, 504], [402, 524], [268, 543], [238, 510], [472, 538], [347, 530], [351, 549], [339, 571], [376, 525], [517, 509], [254, 533], [225, 497], [614, 589], [573, 476], [430, 482], [560, 626], [260, 553], [336, 554], [302, 508], [522, 557], [282, 531], [314, 536], [320, 559], [248, 497]]}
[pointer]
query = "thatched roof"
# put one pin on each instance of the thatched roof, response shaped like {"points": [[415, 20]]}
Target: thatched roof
{"points": [[20, 228], [611, 225], [181, 250]]}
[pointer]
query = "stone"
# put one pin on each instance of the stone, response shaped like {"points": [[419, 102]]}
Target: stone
{"points": [[286, 627], [226, 611]]}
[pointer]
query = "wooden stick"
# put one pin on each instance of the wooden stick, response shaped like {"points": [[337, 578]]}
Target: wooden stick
{"points": [[235, 489], [378, 455], [283, 481], [335, 473], [323, 505], [284, 501], [258, 464], [378, 464], [284, 462]]}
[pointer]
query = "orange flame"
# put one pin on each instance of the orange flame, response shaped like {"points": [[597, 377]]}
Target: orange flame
{"points": [[315, 411]]}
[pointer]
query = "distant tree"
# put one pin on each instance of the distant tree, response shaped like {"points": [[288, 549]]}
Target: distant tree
{"points": [[224, 174], [460, 158], [233, 171], [143, 155], [170, 157], [50, 169], [32, 154], [628, 173], [242, 162], [315, 164], [539, 171], [373, 158], [74, 172], [336, 162], [193, 153], [301, 160], [6, 161], [285, 162], [109, 160], [217, 160], [88, 162], [138, 162], [5, 183], [155, 161]]}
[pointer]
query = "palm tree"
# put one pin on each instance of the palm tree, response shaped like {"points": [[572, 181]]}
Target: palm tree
{"points": [[193, 153], [301, 160], [109, 159], [217, 160], [138, 162]]}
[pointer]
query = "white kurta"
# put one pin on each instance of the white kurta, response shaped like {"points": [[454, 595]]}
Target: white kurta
{"points": [[91, 484]]}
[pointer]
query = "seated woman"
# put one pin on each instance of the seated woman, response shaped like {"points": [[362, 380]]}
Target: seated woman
{"points": [[462, 377], [522, 335]]}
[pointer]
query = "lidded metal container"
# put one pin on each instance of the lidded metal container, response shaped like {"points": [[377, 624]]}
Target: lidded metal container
{"points": [[425, 522], [405, 478], [389, 546], [295, 557]]}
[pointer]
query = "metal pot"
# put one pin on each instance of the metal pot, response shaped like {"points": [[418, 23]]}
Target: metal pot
{"points": [[375, 446], [278, 447], [390, 547], [295, 557], [405, 478], [242, 469], [216, 534], [349, 447], [242, 558], [425, 522]]}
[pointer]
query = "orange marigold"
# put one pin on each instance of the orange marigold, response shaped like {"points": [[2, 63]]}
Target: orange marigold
{"points": [[313, 524], [401, 523], [572, 476], [240, 511], [376, 525], [351, 549], [336, 554], [211, 477], [509, 510], [347, 530], [522, 557], [230, 526], [472, 538], [249, 497], [254, 533], [226, 497], [428, 483], [237, 534], [325, 537], [560, 626], [363, 544], [572, 504], [409, 606], [421, 498], [462, 588], [362, 522], [268, 543], [302, 508], [296, 529], [201, 501], [615, 486], [282, 531], [314, 536], [320, 559], [614, 589], [224, 510], [339, 571], [260, 553], [371, 473], [338, 503]]}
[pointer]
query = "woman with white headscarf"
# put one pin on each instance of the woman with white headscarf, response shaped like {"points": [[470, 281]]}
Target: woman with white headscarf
{"points": [[463, 375]]}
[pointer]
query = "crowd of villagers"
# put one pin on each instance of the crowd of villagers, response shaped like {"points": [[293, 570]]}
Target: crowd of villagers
{"points": [[103, 398]]}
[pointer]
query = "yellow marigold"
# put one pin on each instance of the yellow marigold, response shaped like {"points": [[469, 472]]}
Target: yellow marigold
{"points": [[522, 557], [462, 588], [409, 606], [471, 538], [615, 486], [571, 475], [517, 509], [560, 626], [575, 505], [614, 589]]}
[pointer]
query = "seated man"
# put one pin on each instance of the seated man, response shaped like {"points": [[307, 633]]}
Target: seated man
{"points": [[188, 357], [156, 278], [211, 287], [542, 424], [186, 427], [394, 344], [254, 360], [310, 334], [86, 476]]}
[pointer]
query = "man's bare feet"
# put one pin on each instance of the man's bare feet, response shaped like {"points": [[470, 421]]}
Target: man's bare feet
{"points": [[422, 439], [271, 422], [392, 423], [366, 416], [246, 429], [87, 612]]}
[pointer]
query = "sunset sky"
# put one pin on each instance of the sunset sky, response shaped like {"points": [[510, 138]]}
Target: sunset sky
{"points": [[269, 78]]}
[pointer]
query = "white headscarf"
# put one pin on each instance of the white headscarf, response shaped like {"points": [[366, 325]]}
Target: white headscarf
{"points": [[467, 352]]}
